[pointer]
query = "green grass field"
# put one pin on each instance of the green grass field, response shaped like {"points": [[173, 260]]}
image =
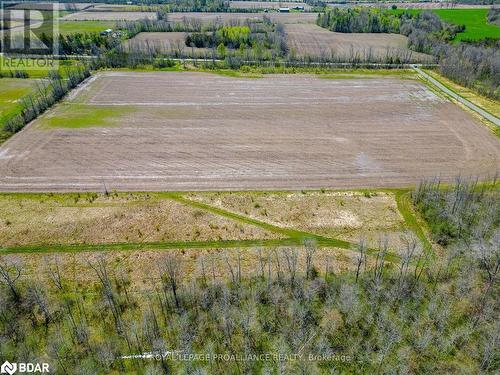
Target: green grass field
{"points": [[475, 21], [13, 89], [72, 27], [36, 71], [76, 116]]}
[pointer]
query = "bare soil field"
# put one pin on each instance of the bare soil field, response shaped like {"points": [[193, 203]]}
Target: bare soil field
{"points": [[227, 17], [89, 219], [121, 8], [315, 41], [348, 216], [200, 131], [109, 16], [266, 4], [163, 42], [50, 6]]}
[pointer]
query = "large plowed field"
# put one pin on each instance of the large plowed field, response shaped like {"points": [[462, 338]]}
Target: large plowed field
{"points": [[109, 16], [199, 131], [313, 41], [284, 18]]}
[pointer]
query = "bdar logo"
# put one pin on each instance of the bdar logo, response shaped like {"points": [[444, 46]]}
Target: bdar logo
{"points": [[8, 368]]}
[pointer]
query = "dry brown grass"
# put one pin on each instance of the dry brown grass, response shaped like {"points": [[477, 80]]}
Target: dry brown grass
{"points": [[346, 215], [64, 219], [143, 268]]}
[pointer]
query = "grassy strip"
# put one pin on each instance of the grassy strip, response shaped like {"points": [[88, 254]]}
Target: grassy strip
{"points": [[126, 246], [245, 71], [472, 96], [292, 233], [405, 207], [438, 92]]}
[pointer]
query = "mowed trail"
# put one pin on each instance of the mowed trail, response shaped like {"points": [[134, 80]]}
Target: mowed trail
{"points": [[199, 131]]}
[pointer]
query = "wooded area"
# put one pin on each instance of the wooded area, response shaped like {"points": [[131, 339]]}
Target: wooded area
{"points": [[411, 316], [472, 64]]}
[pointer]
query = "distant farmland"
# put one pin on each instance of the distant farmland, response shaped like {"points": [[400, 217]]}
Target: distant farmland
{"points": [[225, 17], [266, 4], [164, 42], [475, 21], [314, 41], [12, 90], [198, 131], [109, 16]]}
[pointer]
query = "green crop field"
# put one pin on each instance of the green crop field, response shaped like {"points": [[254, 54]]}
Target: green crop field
{"points": [[475, 21], [12, 90], [83, 116], [72, 27]]}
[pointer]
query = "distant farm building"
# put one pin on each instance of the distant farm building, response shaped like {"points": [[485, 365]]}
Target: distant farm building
{"points": [[106, 32]]}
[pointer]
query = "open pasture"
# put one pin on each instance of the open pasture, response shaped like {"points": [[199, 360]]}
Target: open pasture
{"points": [[11, 91], [314, 41], [199, 131], [475, 20]]}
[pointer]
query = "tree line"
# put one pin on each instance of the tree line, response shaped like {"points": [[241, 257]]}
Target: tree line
{"points": [[48, 92], [359, 20]]}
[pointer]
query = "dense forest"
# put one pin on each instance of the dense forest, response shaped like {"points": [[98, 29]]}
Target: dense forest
{"points": [[359, 20], [424, 312]]}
